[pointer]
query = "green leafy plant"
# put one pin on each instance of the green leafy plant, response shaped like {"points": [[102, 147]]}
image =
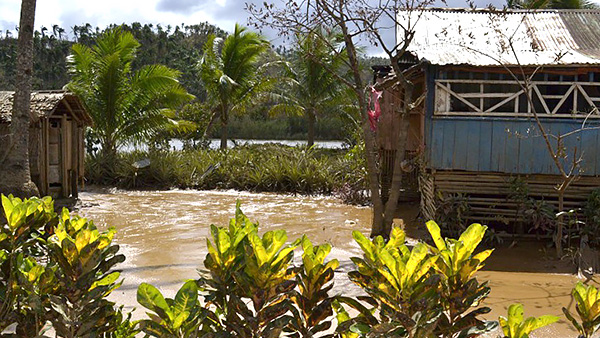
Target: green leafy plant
{"points": [[63, 279], [315, 280], [180, 317], [21, 238], [591, 211], [452, 213], [400, 285], [225, 259], [84, 258], [515, 327], [274, 168], [268, 280], [34, 285], [587, 306], [460, 291], [125, 328], [244, 266]]}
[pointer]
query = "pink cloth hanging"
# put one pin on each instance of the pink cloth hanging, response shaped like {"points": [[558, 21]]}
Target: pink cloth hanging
{"points": [[374, 114]]}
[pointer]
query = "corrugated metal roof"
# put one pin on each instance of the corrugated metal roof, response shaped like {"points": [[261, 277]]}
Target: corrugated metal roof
{"points": [[43, 104], [485, 38]]}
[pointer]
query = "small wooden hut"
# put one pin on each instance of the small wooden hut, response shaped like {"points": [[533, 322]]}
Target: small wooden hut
{"points": [[475, 131], [56, 140]]}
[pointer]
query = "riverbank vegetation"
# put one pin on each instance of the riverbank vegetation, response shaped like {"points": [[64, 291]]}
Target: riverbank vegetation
{"points": [[262, 168], [180, 48], [56, 271]]}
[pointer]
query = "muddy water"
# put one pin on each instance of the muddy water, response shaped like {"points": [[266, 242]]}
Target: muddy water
{"points": [[162, 234]]}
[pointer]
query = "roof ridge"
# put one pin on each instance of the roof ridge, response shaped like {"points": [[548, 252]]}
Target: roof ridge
{"points": [[504, 10]]}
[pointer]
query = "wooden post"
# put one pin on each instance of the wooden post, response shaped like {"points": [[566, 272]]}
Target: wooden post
{"points": [[63, 157], [45, 187], [73, 176]]}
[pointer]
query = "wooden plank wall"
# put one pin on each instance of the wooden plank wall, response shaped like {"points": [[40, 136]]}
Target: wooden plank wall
{"points": [[389, 121], [507, 145], [487, 193]]}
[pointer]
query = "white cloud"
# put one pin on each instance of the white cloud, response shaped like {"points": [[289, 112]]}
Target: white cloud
{"points": [[67, 13]]}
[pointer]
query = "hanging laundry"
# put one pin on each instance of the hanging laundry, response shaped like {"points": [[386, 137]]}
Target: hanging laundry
{"points": [[376, 112]]}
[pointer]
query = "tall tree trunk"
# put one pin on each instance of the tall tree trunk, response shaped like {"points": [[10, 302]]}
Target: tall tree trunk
{"points": [[15, 175], [108, 158], [311, 127], [377, 226], [392, 202], [224, 128]]}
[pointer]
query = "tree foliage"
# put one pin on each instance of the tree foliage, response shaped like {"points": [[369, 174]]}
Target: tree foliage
{"points": [[231, 74], [58, 269], [311, 89], [125, 105], [177, 47], [551, 4]]}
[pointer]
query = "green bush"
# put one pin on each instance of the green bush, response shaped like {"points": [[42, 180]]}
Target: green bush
{"points": [[58, 269], [420, 292], [250, 288], [265, 168], [514, 326], [587, 306], [84, 258]]}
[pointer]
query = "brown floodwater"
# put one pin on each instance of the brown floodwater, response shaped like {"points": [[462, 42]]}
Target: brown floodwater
{"points": [[163, 235]]}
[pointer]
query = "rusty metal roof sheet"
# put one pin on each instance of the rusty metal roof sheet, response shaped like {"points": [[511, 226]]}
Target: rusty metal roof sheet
{"points": [[43, 104], [488, 38]]}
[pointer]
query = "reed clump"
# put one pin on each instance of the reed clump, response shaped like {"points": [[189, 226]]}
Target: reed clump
{"points": [[261, 168]]}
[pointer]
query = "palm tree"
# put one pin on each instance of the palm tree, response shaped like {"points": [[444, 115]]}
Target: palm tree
{"points": [[231, 75], [313, 89], [15, 174], [126, 106]]}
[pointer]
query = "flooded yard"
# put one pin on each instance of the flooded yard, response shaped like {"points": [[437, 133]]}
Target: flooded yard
{"points": [[163, 235]]}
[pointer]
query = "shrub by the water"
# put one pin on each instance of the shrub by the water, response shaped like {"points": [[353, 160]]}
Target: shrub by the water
{"points": [[265, 168], [57, 270]]}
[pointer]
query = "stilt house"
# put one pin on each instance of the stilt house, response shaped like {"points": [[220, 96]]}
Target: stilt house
{"points": [[475, 132], [56, 140]]}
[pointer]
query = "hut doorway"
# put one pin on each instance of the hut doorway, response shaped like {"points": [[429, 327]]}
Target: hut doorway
{"points": [[63, 156], [54, 157]]}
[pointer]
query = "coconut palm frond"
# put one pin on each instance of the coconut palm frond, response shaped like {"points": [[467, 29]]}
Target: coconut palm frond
{"points": [[286, 109], [126, 106], [231, 74]]}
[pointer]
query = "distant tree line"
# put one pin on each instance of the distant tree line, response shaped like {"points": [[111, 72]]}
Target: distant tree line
{"points": [[178, 47], [181, 48]]}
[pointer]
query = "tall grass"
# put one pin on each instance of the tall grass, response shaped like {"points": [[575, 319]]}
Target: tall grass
{"points": [[264, 168]]}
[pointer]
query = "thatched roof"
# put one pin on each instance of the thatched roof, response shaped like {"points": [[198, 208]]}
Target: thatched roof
{"points": [[44, 104]]}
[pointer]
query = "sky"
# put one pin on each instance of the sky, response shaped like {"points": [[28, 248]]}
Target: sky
{"points": [[100, 13]]}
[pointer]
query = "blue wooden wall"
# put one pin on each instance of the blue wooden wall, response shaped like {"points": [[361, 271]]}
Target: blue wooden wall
{"points": [[507, 145]]}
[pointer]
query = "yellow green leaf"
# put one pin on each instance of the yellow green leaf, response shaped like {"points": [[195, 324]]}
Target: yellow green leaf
{"points": [[436, 235]]}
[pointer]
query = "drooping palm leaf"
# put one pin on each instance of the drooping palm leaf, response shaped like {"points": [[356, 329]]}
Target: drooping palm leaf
{"points": [[126, 106], [230, 72], [311, 87]]}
